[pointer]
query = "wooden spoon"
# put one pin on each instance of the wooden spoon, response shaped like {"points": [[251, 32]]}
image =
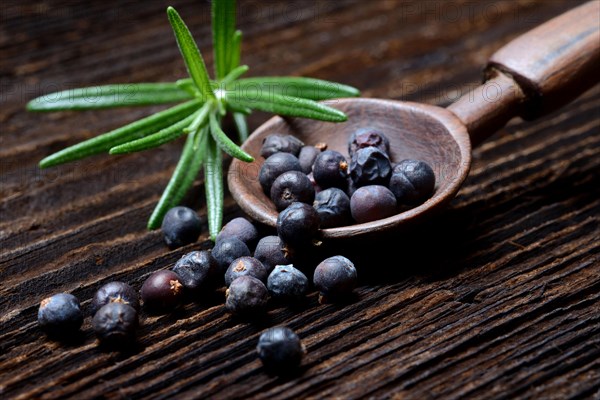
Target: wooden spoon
{"points": [[534, 74]]}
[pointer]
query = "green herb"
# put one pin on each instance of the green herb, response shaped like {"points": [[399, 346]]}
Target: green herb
{"points": [[199, 117]]}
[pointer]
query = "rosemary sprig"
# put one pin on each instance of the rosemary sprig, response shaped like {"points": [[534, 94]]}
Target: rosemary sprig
{"points": [[156, 139], [223, 25], [307, 88], [213, 185], [225, 143], [199, 117], [185, 173], [191, 55], [287, 105], [109, 96], [242, 127], [129, 132]]}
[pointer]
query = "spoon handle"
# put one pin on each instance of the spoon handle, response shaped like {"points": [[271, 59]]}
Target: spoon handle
{"points": [[536, 73]]}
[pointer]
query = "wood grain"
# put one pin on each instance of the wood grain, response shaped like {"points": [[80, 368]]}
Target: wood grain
{"points": [[498, 297]]}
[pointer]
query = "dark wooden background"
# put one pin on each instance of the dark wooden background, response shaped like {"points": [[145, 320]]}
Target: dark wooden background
{"points": [[498, 298]]}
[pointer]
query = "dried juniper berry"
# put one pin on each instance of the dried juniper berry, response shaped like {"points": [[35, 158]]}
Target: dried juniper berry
{"points": [[331, 170], [280, 143], [291, 187], [242, 229], [246, 296], [307, 157], [115, 324], [370, 203], [270, 251], [412, 182], [274, 166], [333, 207], [334, 278], [317, 188], [287, 283], [298, 224], [181, 226], [228, 249], [195, 270], [60, 315], [368, 137], [370, 166], [115, 292], [246, 266], [280, 350], [162, 291]]}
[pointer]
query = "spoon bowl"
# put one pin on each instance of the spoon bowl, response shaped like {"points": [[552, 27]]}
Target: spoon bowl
{"points": [[415, 131], [533, 75]]}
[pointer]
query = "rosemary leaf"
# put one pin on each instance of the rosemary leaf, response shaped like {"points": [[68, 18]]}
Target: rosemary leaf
{"points": [[221, 108], [107, 96], [235, 50], [238, 109], [187, 85], [225, 143], [287, 105], [156, 139], [200, 120], [241, 125], [183, 177], [191, 55], [235, 74], [223, 27], [213, 182], [306, 88], [134, 130]]}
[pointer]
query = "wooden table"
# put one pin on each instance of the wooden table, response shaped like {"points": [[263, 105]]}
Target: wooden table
{"points": [[498, 298]]}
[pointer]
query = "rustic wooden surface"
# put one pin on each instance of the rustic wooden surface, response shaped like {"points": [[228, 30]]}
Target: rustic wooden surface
{"points": [[497, 298]]}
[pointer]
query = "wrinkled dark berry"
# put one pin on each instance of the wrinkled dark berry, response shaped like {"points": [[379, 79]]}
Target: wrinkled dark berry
{"points": [[115, 292], [60, 315], [162, 291], [181, 226], [227, 250], [368, 137], [307, 157], [246, 295], [370, 166], [246, 266], [370, 203], [269, 251], [195, 269], [317, 188], [335, 277], [280, 350], [287, 282], [298, 224], [274, 166], [412, 182], [280, 143], [291, 187], [242, 229], [333, 207], [115, 324], [331, 170]]}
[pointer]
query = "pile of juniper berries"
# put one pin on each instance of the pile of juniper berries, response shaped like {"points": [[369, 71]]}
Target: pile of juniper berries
{"points": [[313, 188]]}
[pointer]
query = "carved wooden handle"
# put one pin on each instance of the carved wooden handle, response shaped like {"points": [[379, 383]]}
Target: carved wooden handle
{"points": [[555, 62], [536, 73]]}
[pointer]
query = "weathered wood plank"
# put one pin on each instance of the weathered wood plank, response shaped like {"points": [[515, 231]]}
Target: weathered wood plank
{"points": [[497, 298]]}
